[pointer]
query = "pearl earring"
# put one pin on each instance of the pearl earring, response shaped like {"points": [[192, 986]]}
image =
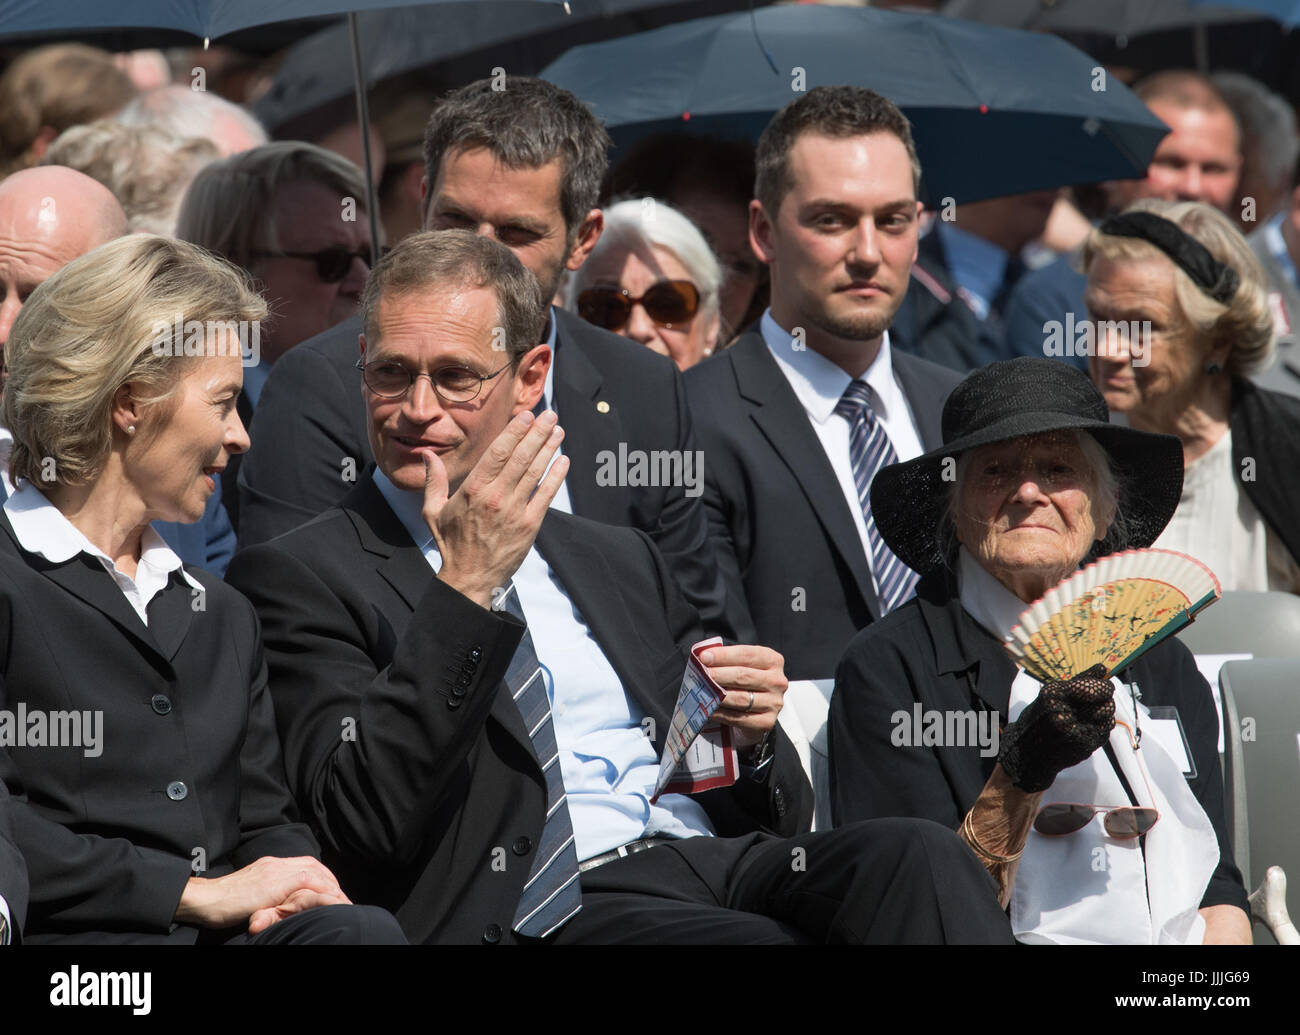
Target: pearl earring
{"points": [[130, 429]]}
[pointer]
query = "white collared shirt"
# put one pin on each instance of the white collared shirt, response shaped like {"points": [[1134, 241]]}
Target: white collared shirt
{"points": [[607, 762], [42, 529], [6, 447], [819, 385]]}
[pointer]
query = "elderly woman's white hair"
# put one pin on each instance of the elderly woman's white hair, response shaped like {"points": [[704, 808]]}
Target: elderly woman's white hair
{"points": [[638, 223]]}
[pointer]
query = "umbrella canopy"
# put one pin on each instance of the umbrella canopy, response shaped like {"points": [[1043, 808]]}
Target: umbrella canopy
{"points": [[206, 19], [412, 47], [994, 111], [1111, 17], [1285, 11]]}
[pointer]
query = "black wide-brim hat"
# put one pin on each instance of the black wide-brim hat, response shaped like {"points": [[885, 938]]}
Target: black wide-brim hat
{"points": [[1011, 399]]}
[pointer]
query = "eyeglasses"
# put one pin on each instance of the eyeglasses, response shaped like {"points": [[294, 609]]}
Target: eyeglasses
{"points": [[1122, 822], [454, 384], [332, 263], [667, 302]]}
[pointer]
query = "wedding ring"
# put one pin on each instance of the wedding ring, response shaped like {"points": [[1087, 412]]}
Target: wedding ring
{"points": [[751, 701]]}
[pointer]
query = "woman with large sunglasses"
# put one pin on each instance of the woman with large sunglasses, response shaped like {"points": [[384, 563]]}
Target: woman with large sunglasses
{"points": [[653, 278], [1096, 804]]}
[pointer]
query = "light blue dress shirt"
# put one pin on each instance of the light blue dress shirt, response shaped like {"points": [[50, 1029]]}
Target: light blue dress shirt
{"points": [[608, 763]]}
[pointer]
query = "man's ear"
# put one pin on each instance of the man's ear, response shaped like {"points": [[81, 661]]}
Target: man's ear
{"points": [[45, 136], [530, 378], [760, 232], [585, 239]]}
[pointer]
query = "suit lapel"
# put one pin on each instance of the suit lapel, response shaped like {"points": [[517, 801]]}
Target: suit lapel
{"points": [[781, 418], [924, 400], [400, 563], [587, 580], [85, 578], [588, 431], [169, 621]]}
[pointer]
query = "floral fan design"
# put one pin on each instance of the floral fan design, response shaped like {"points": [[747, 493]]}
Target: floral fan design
{"points": [[1111, 613]]}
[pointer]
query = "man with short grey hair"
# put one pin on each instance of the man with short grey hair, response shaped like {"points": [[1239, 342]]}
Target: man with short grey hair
{"points": [[519, 160], [196, 113]]}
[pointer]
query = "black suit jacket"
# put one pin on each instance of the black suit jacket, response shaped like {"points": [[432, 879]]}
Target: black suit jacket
{"points": [[110, 840], [785, 539], [310, 445], [931, 652], [401, 739], [13, 871]]}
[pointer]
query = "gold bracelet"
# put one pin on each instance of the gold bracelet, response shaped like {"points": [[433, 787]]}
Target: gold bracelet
{"points": [[968, 835]]}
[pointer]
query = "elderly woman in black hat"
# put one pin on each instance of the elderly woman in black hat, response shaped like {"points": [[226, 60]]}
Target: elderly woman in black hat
{"points": [[1182, 317], [932, 718]]}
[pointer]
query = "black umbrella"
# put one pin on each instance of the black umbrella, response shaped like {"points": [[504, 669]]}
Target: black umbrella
{"points": [[405, 50], [994, 111]]}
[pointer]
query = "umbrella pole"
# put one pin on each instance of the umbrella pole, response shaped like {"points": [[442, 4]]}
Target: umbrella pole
{"points": [[363, 116]]}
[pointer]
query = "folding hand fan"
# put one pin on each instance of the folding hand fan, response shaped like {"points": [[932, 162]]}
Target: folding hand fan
{"points": [[1111, 613]]}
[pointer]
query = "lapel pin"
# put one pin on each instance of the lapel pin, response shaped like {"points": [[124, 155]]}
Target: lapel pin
{"points": [[602, 406]]}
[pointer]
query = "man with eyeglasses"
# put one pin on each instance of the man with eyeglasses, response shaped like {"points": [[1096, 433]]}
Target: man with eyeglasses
{"points": [[523, 165], [294, 216], [473, 688]]}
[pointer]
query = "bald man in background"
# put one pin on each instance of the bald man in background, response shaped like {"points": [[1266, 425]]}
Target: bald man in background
{"points": [[48, 217]]}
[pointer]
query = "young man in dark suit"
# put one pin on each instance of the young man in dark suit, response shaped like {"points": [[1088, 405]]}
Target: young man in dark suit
{"points": [[521, 164], [795, 418], [478, 749]]}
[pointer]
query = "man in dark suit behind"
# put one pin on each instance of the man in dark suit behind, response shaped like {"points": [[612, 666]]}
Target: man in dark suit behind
{"points": [[522, 164], [795, 418], [490, 780]]}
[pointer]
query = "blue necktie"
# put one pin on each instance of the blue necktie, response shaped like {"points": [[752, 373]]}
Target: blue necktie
{"points": [[869, 451], [553, 893]]}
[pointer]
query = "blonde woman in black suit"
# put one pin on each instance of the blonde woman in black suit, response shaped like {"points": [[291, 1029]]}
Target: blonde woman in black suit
{"points": [[147, 786]]}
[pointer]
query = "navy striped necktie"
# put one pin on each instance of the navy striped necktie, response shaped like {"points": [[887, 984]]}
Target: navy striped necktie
{"points": [[552, 894], [869, 451]]}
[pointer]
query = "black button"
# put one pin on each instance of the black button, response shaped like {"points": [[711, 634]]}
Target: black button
{"points": [[177, 791], [476, 653], [161, 704], [453, 703], [457, 692], [522, 846], [491, 934], [778, 798]]}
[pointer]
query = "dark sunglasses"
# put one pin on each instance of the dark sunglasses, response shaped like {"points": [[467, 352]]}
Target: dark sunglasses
{"points": [[332, 263], [667, 302], [1066, 817]]}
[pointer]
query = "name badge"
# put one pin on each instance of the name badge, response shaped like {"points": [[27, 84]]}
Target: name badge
{"points": [[1167, 728]]}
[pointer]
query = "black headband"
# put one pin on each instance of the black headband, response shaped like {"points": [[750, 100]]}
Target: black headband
{"points": [[1193, 258]]}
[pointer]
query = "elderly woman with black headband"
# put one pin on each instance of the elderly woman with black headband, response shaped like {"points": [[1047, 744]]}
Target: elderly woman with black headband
{"points": [[1191, 299], [1094, 832]]}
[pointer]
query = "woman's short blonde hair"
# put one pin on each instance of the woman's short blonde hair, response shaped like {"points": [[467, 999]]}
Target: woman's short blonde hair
{"points": [[1245, 324], [95, 326]]}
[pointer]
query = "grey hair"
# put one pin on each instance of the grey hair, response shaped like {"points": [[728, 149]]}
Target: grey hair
{"points": [[146, 168], [459, 259], [644, 223], [524, 123], [1267, 122], [229, 206], [1107, 479], [191, 113]]}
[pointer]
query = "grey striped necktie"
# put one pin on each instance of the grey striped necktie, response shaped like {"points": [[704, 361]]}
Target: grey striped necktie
{"points": [[552, 894], [869, 451]]}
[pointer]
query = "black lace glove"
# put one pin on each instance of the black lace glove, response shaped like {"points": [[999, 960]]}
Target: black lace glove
{"points": [[1063, 725]]}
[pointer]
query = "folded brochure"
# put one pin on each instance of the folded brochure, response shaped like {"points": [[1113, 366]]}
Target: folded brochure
{"points": [[698, 754]]}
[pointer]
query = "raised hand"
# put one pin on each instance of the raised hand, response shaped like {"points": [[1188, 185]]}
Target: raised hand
{"points": [[486, 527]]}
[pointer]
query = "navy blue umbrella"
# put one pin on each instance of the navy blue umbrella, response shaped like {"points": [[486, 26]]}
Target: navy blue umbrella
{"points": [[1285, 11], [994, 111]]}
